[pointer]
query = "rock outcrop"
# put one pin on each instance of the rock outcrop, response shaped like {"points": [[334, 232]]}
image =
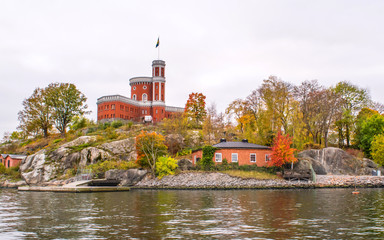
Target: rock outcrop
{"points": [[184, 164], [46, 165], [334, 161], [127, 177]]}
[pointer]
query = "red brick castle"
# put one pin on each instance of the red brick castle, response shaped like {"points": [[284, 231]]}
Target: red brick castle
{"points": [[147, 100]]}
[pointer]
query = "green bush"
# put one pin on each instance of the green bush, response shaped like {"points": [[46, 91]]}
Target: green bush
{"points": [[184, 152], [165, 166], [116, 124], [57, 140], [2, 168], [101, 167], [12, 172]]}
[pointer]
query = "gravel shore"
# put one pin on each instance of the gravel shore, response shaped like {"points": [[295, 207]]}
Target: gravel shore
{"points": [[224, 181]]}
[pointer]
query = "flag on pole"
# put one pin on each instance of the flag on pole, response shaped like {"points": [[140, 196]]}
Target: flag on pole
{"points": [[158, 42]]}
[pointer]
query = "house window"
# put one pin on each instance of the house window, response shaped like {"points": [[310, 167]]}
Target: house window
{"points": [[218, 157], [234, 157], [253, 157], [267, 157]]}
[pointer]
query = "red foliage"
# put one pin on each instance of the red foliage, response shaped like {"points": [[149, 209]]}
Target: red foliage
{"points": [[282, 152]]}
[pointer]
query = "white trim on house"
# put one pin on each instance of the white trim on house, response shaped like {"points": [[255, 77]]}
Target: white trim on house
{"points": [[250, 157], [217, 158], [234, 157]]}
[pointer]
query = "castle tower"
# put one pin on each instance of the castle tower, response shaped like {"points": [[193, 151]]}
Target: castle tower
{"points": [[158, 76]]}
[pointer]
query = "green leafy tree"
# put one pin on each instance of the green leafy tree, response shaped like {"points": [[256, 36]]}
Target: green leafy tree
{"points": [[353, 100], [377, 149], [149, 147], [66, 102], [374, 125], [36, 115], [363, 115], [165, 166], [195, 107]]}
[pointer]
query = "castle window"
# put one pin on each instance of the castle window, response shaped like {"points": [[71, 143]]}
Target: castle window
{"points": [[156, 110], [134, 88], [134, 97], [113, 106], [144, 87], [157, 71], [144, 97], [162, 72]]}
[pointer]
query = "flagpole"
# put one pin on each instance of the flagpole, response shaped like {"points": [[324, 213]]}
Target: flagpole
{"points": [[158, 50]]}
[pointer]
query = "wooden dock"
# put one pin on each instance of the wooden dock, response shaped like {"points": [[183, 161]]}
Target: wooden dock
{"points": [[84, 186], [79, 189]]}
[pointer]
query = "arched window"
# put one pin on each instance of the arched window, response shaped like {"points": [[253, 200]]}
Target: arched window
{"points": [[134, 97], [144, 97]]}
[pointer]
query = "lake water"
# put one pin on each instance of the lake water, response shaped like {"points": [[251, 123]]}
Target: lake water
{"points": [[200, 214]]}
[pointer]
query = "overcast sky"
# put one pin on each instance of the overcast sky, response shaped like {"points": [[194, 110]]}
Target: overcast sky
{"points": [[223, 49]]}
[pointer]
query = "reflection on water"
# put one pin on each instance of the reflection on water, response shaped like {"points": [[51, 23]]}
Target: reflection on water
{"points": [[253, 214]]}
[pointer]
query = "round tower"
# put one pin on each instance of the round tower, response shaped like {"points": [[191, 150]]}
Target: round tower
{"points": [[158, 76]]}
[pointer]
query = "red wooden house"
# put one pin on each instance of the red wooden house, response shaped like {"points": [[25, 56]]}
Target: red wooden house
{"points": [[11, 160], [244, 153]]}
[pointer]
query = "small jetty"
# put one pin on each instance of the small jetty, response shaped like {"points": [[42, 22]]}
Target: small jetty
{"points": [[83, 186]]}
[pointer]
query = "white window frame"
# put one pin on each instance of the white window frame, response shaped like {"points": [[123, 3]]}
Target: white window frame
{"points": [[145, 97], [269, 157], [237, 157], [134, 97], [218, 159], [144, 87], [250, 157]]}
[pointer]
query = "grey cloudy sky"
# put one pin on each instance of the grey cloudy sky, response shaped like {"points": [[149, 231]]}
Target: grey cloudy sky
{"points": [[223, 49]]}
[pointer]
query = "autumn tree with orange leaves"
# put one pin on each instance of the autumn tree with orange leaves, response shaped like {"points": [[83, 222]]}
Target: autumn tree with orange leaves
{"points": [[195, 107], [282, 152], [150, 146]]}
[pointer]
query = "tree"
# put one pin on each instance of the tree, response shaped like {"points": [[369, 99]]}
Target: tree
{"points": [[353, 100], [278, 98], [377, 149], [66, 102], [149, 147], [213, 125], [282, 152], [36, 115], [363, 115], [374, 125], [195, 107]]}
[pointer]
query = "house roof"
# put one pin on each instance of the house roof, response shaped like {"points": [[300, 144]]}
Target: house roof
{"points": [[14, 156], [244, 145]]}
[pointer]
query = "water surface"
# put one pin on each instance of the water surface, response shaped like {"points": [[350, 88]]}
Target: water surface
{"points": [[200, 214]]}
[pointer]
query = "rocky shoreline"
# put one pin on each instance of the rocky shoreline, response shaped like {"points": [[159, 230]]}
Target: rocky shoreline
{"points": [[224, 181], [215, 180]]}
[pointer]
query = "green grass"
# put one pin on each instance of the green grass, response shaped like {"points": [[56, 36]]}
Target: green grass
{"points": [[250, 174]]}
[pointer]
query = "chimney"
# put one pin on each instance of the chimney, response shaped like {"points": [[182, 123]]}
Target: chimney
{"points": [[223, 140], [244, 140]]}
